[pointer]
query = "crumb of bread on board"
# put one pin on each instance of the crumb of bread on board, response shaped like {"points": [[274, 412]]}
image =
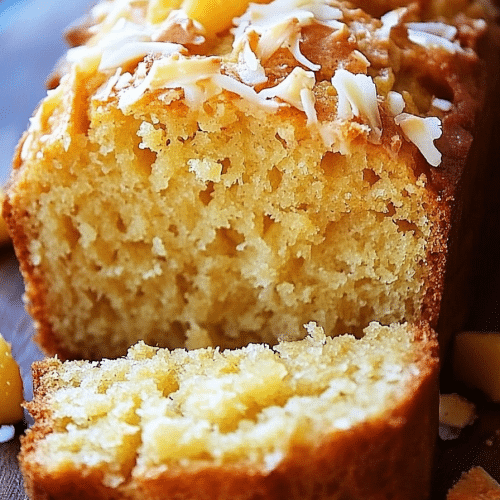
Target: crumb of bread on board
{"points": [[476, 484]]}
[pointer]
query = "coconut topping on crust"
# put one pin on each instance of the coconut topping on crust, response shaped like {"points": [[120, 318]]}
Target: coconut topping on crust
{"points": [[422, 132], [357, 96], [297, 90], [275, 58], [279, 24]]}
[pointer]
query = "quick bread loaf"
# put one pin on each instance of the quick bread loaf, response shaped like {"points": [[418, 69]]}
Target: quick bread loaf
{"points": [[318, 418], [265, 194], [196, 188]]}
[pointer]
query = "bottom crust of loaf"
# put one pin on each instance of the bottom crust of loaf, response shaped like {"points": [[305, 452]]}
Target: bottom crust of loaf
{"points": [[322, 418]]}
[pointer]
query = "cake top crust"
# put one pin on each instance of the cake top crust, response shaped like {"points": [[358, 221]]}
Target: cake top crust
{"points": [[388, 79]]}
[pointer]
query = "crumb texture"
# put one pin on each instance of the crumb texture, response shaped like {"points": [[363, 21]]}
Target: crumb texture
{"points": [[191, 190], [159, 413]]}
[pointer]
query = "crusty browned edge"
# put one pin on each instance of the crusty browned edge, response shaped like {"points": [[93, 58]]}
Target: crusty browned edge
{"points": [[84, 484], [462, 172], [389, 456], [471, 178], [35, 285]]}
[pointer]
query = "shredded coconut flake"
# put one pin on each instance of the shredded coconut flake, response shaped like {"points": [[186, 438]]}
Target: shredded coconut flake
{"points": [[105, 91], [422, 132], [326, 14], [308, 101], [395, 103], [434, 28], [389, 20], [294, 46], [430, 40], [296, 90], [194, 31], [279, 25], [357, 95], [249, 68], [200, 78], [137, 50], [244, 91], [442, 104], [174, 72], [124, 81]]}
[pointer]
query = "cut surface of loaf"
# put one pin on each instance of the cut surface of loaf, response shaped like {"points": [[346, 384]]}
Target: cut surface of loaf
{"points": [[336, 418], [192, 190]]}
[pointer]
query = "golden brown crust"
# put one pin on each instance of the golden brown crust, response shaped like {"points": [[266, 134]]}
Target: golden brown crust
{"points": [[35, 285], [467, 208]]}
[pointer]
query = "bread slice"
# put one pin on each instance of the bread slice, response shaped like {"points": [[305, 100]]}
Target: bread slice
{"points": [[196, 190], [317, 418], [475, 484]]}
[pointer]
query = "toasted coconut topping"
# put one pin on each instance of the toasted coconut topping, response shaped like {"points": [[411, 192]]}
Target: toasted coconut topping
{"points": [[137, 50], [178, 25], [200, 78], [249, 67], [434, 28], [264, 16], [175, 72], [422, 132], [279, 25], [428, 40], [105, 91], [389, 20], [145, 46], [246, 92], [296, 90], [357, 96], [395, 103]]}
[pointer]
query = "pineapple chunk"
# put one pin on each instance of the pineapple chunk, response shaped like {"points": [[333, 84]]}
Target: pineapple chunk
{"points": [[455, 411], [476, 361], [158, 10], [4, 235], [216, 15], [11, 386]]}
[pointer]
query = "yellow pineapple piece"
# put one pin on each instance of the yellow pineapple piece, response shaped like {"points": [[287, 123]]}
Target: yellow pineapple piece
{"points": [[216, 15], [11, 386], [476, 360], [4, 235], [158, 10]]}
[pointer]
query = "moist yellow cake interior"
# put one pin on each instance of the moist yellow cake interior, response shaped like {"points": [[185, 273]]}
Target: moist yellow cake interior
{"points": [[158, 408], [211, 224], [226, 222]]}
